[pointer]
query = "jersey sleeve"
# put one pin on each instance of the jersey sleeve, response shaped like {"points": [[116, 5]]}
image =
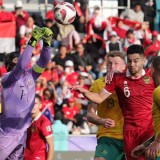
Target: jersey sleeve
{"points": [[44, 59], [156, 110], [46, 128], [112, 86], [21, 65]]}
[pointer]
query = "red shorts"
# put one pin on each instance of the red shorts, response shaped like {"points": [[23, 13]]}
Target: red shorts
{"points": [[133, 138]]}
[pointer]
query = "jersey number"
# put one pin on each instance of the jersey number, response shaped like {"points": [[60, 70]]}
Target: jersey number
{"points": [[126, 91]]}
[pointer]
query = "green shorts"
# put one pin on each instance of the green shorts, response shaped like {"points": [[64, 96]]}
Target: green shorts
{"points": [[158, 158], [110, 149]]}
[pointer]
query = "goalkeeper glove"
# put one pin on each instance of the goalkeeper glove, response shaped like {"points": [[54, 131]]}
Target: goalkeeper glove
{"points": [[47, 36], [36, 36]]}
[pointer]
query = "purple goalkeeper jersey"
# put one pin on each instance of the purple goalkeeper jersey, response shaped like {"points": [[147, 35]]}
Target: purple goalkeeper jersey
{"points": [[18, 94]]}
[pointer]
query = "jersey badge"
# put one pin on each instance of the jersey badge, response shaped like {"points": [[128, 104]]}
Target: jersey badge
{"points": [[48, 128], [146, 80], [33, 129]]}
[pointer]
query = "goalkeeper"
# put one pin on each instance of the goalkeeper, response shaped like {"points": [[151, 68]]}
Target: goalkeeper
{"points": [[18, 94]]}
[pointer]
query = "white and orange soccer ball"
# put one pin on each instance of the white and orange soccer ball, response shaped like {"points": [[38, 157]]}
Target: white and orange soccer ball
{"points": [[64, 13]]}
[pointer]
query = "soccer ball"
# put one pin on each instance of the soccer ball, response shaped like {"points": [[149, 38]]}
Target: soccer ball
{"points": [[64, 13]]}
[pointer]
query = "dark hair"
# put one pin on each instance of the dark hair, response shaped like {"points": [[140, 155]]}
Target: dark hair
{"points": [[116, 54], [135, 48], [129, 31], [49, 20], [59, 116], [156, 63], [38, 97], [8, 60]]}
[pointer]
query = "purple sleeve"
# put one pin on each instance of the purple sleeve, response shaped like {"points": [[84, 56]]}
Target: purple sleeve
{"points": [[45, 57], [21, 65]]}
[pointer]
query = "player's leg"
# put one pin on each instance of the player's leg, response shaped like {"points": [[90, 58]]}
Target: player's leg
{"points": [[132, 139], [109, 149]]}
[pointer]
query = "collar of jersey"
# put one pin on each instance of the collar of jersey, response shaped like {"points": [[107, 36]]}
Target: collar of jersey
{"points": [[38, 116], [129, 75]]}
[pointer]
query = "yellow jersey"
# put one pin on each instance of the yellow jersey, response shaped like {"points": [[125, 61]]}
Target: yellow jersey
{"points": [[108, 109], [156, 110]]}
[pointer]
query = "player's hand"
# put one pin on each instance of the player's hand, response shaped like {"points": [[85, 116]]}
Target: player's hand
{"points": [[138, 151], [78, 88], [109, 76], [108, 123], [36, 36], [153, 150], [47, 36]]}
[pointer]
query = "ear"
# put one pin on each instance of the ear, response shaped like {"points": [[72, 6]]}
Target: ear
{"points": [[15, 60]]}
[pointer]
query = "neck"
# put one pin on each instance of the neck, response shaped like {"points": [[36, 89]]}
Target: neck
{"points": [[138, 75], [34, 115]]}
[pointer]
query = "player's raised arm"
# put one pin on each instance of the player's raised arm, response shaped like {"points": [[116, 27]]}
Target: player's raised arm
{"points": [[94, 97], [16, 63], [45, 55]]}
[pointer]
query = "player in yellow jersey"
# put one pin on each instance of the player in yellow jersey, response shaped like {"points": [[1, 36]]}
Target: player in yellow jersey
{"points": [[153, 151], [109, 116]]}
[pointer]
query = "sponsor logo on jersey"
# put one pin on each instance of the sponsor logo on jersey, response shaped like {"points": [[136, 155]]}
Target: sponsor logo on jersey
{"points": [[146, 80]]}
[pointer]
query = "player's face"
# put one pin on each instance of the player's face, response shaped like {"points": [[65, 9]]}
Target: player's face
{"points": [[135, 64], [37, 106], [115, 64]]}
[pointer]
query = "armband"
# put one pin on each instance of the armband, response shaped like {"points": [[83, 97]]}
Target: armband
{"points": [[38, 69]]}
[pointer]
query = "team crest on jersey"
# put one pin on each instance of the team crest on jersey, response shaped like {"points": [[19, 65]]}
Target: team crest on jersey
{"points": [[33, 129], [30, 82], [146, 79]]}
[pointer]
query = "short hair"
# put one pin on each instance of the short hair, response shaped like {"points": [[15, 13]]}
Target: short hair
{"points": [[59, 116], [135, 48], [38, 97], [156, 63], [116, 54]]}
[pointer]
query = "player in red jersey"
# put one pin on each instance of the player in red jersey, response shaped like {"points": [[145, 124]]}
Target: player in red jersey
{"points": [[134, 89], [39, 143]]}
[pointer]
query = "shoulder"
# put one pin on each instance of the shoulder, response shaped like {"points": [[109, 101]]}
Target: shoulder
{"points": [[97, 85], [156, 93]]}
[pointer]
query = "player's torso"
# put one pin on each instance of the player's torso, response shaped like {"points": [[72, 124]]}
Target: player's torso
{"points": [[19, 96], [156, 110], [17, 103], [109, 109], [34, 134], [135, 97]]}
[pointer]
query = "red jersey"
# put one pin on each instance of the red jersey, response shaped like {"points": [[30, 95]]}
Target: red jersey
{"points": [[69, 112], [36, 134], [135, 98]]}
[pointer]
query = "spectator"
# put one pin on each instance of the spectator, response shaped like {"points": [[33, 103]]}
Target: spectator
{"points": [[130, 39], [113, 43], [79, 125], [97, 23], [70, 110], [39, 135], [21, 17], [61, 58], [83, 61], [27, 28], [135, 14], [81, 7], [61, 133], [70, 75]]}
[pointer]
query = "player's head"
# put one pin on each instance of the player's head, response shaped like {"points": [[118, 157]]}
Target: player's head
{"points": [[11, 60], [155, 70], [135, 59], [116, 61], [37, 104]]}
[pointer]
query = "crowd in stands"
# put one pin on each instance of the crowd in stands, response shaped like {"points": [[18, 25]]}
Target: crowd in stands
{"points": [[79, 54]]}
